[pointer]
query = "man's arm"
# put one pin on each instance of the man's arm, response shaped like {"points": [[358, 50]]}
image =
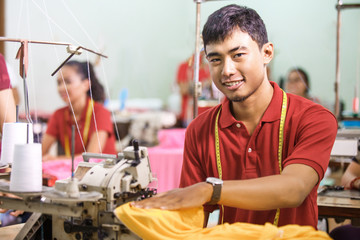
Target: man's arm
{"points": [[303, 170], [278, 191]]}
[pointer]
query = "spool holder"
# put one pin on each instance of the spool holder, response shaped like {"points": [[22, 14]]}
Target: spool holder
{"points": [[196, 83], [70, 49], [340, 6]]}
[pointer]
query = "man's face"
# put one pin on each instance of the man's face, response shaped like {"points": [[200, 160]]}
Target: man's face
{"points": [[237, 65]]}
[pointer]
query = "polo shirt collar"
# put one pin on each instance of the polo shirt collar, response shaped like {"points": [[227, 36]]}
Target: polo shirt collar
{"points": [[272, 113]]}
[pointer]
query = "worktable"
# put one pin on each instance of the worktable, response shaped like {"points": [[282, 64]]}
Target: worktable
{"points": [[340, 207]]}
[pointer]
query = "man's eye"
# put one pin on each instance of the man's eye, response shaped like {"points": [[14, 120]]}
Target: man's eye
{"points": [[238, 55], [214, 60]]}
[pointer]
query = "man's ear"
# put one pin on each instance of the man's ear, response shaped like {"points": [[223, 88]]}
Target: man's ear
{"points": [[268, 52]]}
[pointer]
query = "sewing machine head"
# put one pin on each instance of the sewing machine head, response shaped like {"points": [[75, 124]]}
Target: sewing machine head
{"points": [[119, 178], [103, 186]]}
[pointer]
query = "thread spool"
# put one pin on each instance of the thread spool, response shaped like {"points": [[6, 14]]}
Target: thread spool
{"points": [[26, 174], [14, 133]]}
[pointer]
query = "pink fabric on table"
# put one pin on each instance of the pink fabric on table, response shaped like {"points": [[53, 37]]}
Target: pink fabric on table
{"points": [[166, 159], [61, 168], [172, 138]]}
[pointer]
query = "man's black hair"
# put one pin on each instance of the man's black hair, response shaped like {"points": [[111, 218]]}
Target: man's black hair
{"points": [[224, 21]]}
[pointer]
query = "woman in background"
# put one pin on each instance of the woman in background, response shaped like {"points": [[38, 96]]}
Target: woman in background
{"points": [[298, 83], [96, 136]]}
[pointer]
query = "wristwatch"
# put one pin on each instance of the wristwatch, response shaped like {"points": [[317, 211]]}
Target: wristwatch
{"points": [[217, 185]]}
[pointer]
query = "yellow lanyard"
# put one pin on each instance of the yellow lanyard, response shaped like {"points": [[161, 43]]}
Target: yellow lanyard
{"points": [[281, 141], [86, 128]]}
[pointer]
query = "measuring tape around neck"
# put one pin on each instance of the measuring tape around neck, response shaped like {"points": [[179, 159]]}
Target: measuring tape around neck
{"points": [[85, 131], [281, 141]]}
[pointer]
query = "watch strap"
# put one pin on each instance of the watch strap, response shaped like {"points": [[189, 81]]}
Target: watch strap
{"points": [[215, 198]]}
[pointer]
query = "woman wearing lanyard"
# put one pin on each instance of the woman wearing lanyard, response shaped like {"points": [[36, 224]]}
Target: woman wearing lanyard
{"points": [[94, 130]]}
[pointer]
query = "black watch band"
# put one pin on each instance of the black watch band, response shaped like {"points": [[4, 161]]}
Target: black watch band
{"points": [[217, 185]]}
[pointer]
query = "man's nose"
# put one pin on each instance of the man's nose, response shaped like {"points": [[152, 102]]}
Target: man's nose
{"points": [[229, 67]]}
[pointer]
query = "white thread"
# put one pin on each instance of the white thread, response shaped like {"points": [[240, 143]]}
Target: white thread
{"points": [[91, 96], [53, 22], [13, 133], [63, 80], [72, 111], [30, 67], [87, 35], [102, 66], [112, 112], [26, 174], [80, 25], [49, 19]]}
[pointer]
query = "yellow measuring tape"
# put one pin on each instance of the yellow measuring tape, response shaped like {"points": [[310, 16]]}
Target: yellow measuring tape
{"points": [[86, 128], [281, 141]]}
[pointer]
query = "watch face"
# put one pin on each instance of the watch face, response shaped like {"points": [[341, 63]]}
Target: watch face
{"points": [[214, 180]]}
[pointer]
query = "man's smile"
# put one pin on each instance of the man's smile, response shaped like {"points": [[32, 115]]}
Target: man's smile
{"points": [[232, 85]]}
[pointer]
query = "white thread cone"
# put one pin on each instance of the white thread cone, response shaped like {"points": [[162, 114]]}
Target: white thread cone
{"points": [[26, 174], [14, 133]]}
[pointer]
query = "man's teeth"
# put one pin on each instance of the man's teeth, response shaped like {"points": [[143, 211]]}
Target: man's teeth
{"points": [[231, 83]]}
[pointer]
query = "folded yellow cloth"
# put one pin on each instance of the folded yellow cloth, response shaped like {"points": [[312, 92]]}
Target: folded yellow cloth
{"points": [[152, 224]]}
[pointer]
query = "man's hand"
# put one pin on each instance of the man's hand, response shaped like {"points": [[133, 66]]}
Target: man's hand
{"points": [[193, 196]]}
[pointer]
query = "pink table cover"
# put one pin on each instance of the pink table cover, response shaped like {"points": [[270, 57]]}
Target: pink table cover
{"points": [[166, 159], [61, 168]]}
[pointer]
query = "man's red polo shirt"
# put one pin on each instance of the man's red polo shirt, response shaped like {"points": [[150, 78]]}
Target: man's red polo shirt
{"points": [[309, 134], [56, 126]]}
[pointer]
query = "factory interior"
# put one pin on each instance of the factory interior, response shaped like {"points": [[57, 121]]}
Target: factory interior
{"points": [[181, 119]]}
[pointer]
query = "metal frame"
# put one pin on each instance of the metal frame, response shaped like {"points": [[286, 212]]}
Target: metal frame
{"points": [[340, 6], [197, 84]]}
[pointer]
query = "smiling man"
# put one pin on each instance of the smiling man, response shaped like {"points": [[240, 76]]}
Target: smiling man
{"points": [[261, 154]]}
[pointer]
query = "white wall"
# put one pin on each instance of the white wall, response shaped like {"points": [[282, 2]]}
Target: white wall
{"points": [[145, 40]]}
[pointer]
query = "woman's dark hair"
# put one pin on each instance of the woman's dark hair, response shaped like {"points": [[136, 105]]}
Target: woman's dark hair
{"points": [[304, 76], [86, 71], [223, 21]]}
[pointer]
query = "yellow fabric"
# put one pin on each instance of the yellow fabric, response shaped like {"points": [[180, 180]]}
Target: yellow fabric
{"points": [[152, 224]]}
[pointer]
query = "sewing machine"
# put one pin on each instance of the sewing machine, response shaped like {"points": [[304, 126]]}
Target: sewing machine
{"points": [[346, 143], [82, 206]]}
